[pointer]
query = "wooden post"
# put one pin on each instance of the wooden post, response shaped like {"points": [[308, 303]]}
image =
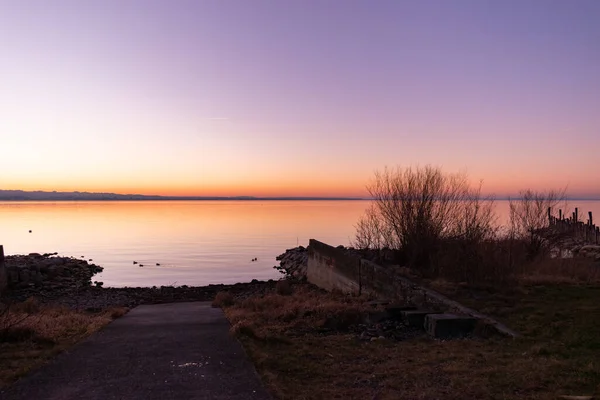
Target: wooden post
{"points": [[3, 277], [591, 220], [560, 216], [549, 216], [576, 214], [586, 229]]}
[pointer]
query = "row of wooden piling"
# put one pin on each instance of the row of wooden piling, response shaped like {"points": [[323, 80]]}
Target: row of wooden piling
{"points": [[583, 230]]}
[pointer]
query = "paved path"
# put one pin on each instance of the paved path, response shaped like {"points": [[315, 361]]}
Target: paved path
{"points": [[167, 351]]}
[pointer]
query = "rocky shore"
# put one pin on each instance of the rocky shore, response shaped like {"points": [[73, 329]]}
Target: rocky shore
{"points": [[293, 262], [48, 272], [68, 281], [570, 247]]}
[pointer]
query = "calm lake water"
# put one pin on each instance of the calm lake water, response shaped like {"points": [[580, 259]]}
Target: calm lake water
{"points": [[195, 242]]}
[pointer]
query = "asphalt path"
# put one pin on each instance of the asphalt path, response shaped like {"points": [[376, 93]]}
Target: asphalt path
{"points": [[166, 351]]}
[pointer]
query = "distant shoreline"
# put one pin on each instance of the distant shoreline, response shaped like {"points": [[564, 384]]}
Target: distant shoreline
{"points": [[193, 199], [22, 195], [33, 196]]}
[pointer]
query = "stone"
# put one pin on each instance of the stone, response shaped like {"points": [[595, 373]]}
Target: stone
{"points": [[449, 326], [24, 275], [13, 276], [590, 251], [416, 318], [590, 248], [56, 261], [36, 277]]}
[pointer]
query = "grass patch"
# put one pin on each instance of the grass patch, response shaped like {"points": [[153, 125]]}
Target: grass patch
{"points": [[31, 334], [557, 354], [562, 271]]}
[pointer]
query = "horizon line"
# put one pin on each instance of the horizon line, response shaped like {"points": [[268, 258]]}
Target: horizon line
{"points": [[140, 197]]}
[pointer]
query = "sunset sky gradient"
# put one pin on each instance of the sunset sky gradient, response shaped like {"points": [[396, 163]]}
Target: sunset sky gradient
{"points": [[303, 98]]}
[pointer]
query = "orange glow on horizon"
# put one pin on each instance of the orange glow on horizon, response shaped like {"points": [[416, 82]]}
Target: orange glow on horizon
{"points": [[315, 181], [500, 188]]}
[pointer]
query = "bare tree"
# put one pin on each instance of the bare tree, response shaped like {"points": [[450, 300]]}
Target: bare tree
{"points": [[372, 232], [529, 215], [415, 209]]}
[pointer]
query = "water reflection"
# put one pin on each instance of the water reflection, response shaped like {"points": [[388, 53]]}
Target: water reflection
{"points": [[191, 242]]}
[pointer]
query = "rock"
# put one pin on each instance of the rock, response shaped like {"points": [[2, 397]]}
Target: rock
{"points": [[293, 263], [590, 251], [46, 272], [24, 275], [56, 261], [36, 277]]}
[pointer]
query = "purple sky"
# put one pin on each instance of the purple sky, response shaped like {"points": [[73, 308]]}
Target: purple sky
{"points": [[297, 98]]}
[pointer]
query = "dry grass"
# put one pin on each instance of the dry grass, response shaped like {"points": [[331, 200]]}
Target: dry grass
{"points": [[274, 317], [223, 299], [557, 355], [31, 334], [562, 270], [283, 288]]}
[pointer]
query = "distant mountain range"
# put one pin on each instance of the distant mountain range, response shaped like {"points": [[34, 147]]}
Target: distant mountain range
{"points": [[21, 195]]}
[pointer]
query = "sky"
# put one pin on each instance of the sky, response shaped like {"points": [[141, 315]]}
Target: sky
{"points": [[297, 98]]}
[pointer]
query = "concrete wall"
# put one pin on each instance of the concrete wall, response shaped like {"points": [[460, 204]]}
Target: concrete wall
{"points": [[375, 279], [331, 268]]}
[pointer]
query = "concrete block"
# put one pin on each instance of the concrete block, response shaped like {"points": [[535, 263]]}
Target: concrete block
{"points": [[416, 317], [449, 326], [395, 310]]}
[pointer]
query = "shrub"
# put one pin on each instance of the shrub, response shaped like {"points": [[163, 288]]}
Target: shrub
{"points": [[223, 300], [283, 288]]}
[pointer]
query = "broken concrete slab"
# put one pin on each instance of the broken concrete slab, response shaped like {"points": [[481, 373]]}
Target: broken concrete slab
{"points": [[416, 318], [376, 303], [395, 310], [449, 326]]}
